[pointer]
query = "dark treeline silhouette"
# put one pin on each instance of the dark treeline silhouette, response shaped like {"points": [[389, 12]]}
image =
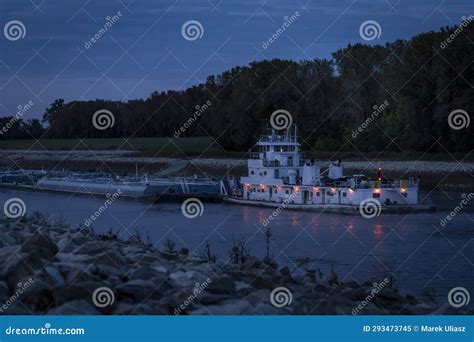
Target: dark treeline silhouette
{"points": [[415, 84], [17, 128]]}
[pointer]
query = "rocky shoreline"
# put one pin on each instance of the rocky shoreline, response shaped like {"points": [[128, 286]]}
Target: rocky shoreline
{"points": [[50, 268]]}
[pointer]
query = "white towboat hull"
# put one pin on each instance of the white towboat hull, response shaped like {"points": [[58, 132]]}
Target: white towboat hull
{"points": [[335, 208]]}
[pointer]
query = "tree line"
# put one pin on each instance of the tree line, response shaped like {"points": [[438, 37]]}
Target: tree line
{"points": [[335, 103]]}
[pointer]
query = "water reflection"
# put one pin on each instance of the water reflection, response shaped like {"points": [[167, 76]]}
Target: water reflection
{"points": [[245, 214], [350, 225], [378, 231], [334, 224], [295, 220], [262, 215]]}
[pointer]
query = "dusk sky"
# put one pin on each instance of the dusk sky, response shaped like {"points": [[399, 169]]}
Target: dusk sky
{"points": [[144, 50]]}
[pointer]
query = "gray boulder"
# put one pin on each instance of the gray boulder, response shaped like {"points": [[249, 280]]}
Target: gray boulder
{"points": [[151, 307], [76, 307], [231, 307], [21, 266], [7, 251], [222, 285], [147, 273], [92, 247], [55, 275], [76, 290], [138, 289], [252, 262], [38, 296], [261, 282], [41, 244], [186, 278], [4, 292]]}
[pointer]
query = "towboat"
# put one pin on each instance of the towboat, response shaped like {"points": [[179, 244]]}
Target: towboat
{"points": [[279, 176]]}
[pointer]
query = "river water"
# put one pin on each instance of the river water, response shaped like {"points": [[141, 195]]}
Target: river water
{"points": [[421, 254]]}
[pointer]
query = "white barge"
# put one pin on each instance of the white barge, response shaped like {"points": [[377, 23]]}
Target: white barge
{"points": [[96, 183], [278, 175]]}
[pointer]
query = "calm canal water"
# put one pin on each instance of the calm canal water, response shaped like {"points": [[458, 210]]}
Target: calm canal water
{"points": [[422, 254]]}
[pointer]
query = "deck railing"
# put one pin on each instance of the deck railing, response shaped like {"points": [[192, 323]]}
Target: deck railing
{"points": [[278, 138], [254, 155], [397, 184], [275, 163]]}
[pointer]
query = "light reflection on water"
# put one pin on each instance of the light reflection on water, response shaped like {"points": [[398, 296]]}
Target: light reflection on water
{"points": [[378, 231], [421, 254]]}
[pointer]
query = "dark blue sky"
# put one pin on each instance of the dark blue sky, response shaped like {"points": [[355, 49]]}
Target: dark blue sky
{"points": [[145, 51]]}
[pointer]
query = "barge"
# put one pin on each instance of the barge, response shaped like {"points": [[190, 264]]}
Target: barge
{"points": [[104, 184]]}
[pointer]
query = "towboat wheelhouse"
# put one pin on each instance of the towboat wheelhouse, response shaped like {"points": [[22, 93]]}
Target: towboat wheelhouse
{"points": [[278, 172]]}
